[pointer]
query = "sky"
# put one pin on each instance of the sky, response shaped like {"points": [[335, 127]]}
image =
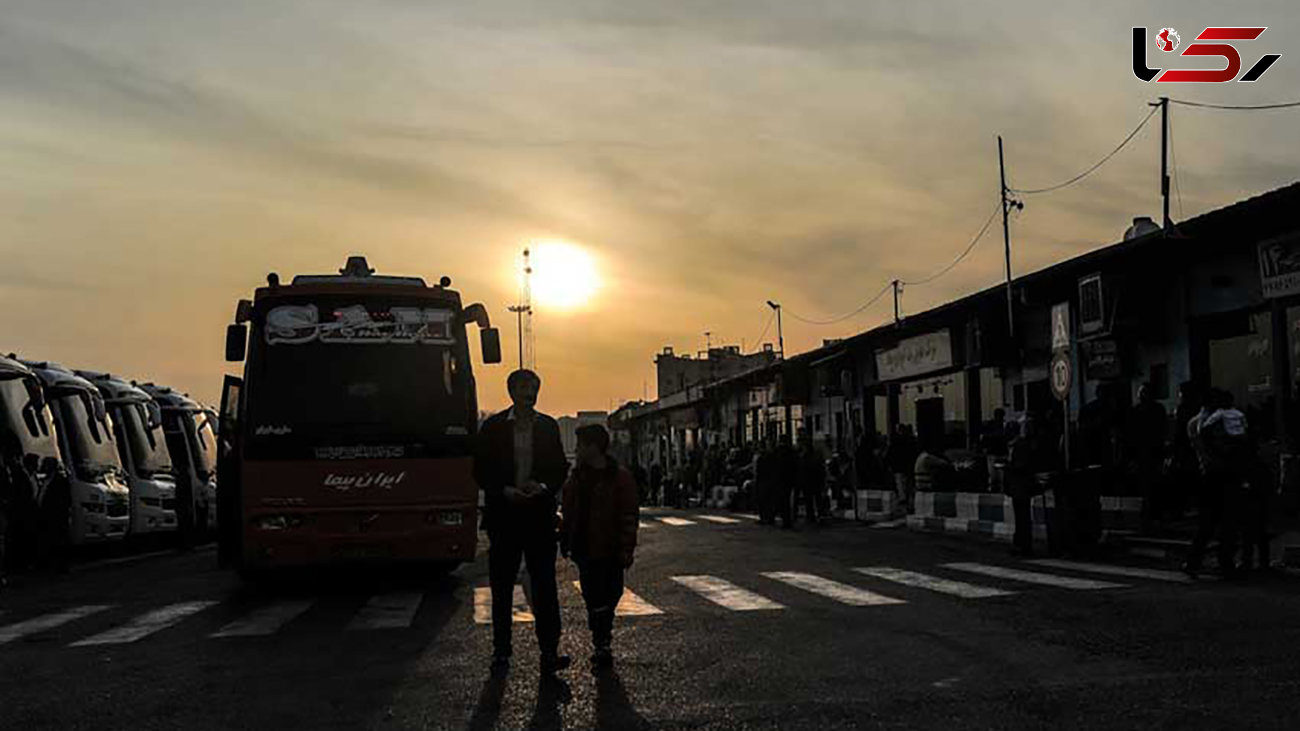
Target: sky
{"points": [[158, 158]]}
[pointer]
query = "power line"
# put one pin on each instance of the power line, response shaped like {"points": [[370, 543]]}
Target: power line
{"points": [[969, 247], [1094, 166], [768, 326], [846, 316], [1207, 105]]}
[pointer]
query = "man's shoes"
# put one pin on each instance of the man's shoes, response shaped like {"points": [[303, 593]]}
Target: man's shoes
{"points": [[500, 663], [602, 660], [552, 664]]}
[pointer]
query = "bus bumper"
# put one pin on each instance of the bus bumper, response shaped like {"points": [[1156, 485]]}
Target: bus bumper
{"points": [[348, 536]]}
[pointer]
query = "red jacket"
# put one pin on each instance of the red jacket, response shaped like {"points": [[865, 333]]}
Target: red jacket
{"points": [[601, 514]]}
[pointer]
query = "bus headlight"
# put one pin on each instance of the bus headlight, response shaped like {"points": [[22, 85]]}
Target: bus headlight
{"points": [[278, 522]]}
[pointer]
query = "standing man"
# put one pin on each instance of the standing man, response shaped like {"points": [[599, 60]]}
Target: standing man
{"points": [[520, 465], [901, 456], [813, 479], [1147, 425], [599, 533], [1221, 438], [790, 476]]}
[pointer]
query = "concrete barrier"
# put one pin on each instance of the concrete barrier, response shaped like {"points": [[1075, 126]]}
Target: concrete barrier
{"points": [[877, 505], [992, 516], [987, 515]]}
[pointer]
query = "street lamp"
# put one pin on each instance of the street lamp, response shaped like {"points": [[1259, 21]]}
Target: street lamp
{"points": [[780, 336]]}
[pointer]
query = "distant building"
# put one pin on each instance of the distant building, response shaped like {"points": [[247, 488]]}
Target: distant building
{"points": [[677, 373], [569, 428]]}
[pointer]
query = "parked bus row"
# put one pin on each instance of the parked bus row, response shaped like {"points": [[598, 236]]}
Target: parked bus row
{"points": [[92, 458], [348, 437]]}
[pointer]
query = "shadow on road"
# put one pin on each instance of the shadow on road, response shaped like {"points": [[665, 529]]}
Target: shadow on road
{"points": [[488, 708], [614, 710], [552, 695]]}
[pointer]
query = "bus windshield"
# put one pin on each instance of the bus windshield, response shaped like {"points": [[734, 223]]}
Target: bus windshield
{"points": [[148, 448], [202, 444], [93, 452], [409, 399], [22, 416]]}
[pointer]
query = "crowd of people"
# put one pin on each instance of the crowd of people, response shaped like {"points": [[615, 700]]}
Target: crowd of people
{"points": [[1204, 455]]}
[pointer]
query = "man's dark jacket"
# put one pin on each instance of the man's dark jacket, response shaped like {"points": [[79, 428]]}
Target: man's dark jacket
{"points": [[494, 469]]}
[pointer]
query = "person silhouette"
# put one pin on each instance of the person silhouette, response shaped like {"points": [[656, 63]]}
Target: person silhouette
{"points": [[519, 463]]}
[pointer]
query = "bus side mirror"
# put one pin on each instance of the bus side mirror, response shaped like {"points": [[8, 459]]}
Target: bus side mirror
{"points": [[490, 338], [236, 342], [243, 311]]}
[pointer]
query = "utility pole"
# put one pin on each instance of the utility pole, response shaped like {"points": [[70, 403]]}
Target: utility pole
{"points": [[525, 307], [519, 310], [897, 291], [1164, 156], [1007, 203], [780, 335]]}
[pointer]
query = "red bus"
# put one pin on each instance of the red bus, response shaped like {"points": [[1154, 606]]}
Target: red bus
{"points": [[349, 436]]}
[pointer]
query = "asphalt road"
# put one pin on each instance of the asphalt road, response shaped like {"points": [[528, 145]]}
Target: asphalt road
{"points": [[741, 626]]}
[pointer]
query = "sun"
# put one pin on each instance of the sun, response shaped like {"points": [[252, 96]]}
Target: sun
{"points": [[564, 275]]}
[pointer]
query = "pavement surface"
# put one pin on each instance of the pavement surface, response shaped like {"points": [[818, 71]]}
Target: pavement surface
{"points": [[730, 625]]}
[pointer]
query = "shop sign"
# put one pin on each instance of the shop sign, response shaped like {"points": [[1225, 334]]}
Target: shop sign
{"points": [[1279, 267], [914, 356], [1102, 359]]}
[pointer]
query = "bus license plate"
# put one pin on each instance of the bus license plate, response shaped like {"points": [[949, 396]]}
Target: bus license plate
{"points": [[450, 517]]}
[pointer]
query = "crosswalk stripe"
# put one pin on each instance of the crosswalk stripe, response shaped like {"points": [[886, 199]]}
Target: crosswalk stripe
{"points": [[146, 624], [388, 611], [933, 583], [717, 519], [676, 521], [264, 621], [630, 605], [642, 524], [889, 523], [48, 621], [1032, 577], [1101, 568], [748, 516], [483, 605], [842, 593], [726, 594]]}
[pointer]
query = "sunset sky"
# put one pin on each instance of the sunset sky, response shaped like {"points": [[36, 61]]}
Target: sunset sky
{"points": [[157, 159]]}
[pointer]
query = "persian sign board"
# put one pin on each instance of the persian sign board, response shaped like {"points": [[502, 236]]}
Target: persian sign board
{"points": [[298, 324], [1102, 359], [1279, 267], [914, 356]]}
